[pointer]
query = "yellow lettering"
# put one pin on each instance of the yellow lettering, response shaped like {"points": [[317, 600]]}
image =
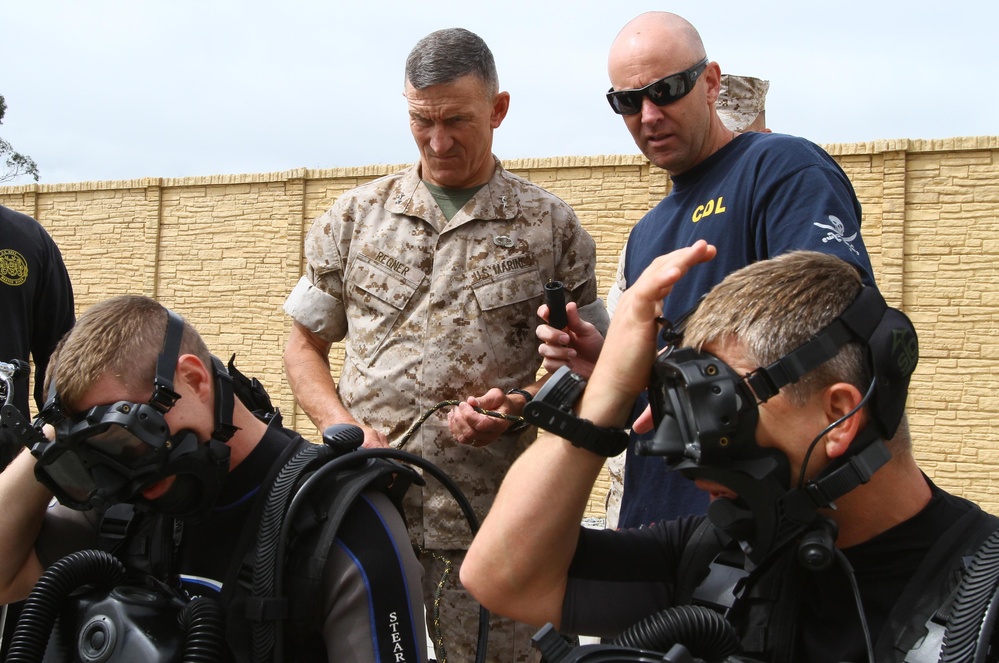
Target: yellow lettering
{"points": [[712, 207]]}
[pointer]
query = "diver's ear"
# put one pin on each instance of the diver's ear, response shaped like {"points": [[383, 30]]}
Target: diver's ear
{"points": [[192, 373], [838, 400]]}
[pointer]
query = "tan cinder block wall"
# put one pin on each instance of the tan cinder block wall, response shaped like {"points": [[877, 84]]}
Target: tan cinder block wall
{"points": [[224, 251]]}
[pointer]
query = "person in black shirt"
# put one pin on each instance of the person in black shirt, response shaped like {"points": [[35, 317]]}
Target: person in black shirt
{"points": [[807, 461], [36, 305]]}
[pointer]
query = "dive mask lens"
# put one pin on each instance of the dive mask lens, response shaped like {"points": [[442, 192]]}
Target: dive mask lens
{"points": [[119, 442], [65, 474], [676, 434], [106, 456], [129, 430], [703, 411]]}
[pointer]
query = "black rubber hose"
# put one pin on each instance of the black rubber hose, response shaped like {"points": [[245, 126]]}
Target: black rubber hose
{"points": [[269, 545], [38, 616], [704, 633], [972, 617], [205, 626]]}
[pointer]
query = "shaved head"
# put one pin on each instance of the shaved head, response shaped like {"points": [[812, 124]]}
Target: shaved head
{"points": [[679, 135], [665, 35]]}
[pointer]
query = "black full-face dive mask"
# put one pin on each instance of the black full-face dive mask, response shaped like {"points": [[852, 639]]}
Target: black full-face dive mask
{"points": [[706, 417], [110, 453]]}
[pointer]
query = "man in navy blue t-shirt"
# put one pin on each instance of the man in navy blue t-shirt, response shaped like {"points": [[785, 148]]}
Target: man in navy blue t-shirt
{"points": [[753, 195]]}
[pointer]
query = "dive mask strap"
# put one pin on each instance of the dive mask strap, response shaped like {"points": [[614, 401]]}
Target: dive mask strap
{"points": [[225, 402], [164, 397], [766, 382], [858, 321], [858, 469]]}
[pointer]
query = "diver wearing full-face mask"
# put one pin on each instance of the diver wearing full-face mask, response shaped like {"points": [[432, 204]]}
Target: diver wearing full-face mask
{"points": [[824, 540], [155, 458]]}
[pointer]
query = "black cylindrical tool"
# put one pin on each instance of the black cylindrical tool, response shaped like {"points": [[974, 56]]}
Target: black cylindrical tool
{"points": [[555, 298]]}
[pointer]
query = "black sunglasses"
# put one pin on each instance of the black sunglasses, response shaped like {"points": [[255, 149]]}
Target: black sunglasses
{"points": [[662, 92]]}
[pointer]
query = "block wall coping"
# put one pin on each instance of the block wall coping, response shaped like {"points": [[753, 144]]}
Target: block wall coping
{"points": [[967, 143]]}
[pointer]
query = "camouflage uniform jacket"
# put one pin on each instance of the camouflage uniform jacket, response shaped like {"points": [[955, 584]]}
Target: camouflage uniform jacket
{"points": [[431, 310]]}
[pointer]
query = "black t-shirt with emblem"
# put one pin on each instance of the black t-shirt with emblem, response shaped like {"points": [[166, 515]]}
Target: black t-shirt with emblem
{"points": [[36, 303]]}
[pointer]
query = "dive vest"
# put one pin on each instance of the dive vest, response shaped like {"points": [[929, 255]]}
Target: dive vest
{"points": [[713, 572], [254, 612]]}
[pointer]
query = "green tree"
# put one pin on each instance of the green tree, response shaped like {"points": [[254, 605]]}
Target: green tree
{"points": [[15, 163]]}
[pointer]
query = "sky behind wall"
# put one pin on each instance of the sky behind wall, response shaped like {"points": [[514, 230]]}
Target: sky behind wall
{"points": [[116, 89]]}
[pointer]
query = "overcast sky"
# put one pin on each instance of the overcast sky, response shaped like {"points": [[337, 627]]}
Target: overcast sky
{"points": [[102, 89]]}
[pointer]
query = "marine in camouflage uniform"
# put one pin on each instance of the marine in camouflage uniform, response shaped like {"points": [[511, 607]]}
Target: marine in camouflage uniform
{"points": [[431, 310], [432, 277]]}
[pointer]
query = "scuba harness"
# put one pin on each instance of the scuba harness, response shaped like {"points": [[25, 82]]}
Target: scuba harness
{"points": [[713, 572], [949, 621]]}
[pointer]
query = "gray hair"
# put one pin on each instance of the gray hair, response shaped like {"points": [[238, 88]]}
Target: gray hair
{"points": [[774, 306], [446, 55]]}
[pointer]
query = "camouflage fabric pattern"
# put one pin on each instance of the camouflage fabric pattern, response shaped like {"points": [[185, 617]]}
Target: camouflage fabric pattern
{"points": [[456, 621], [431, 310], [740, 100]]}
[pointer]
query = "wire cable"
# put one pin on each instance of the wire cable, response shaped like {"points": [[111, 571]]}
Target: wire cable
{"points": [[453, 403], [811, 447], [848, 570], [438, 634]]}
